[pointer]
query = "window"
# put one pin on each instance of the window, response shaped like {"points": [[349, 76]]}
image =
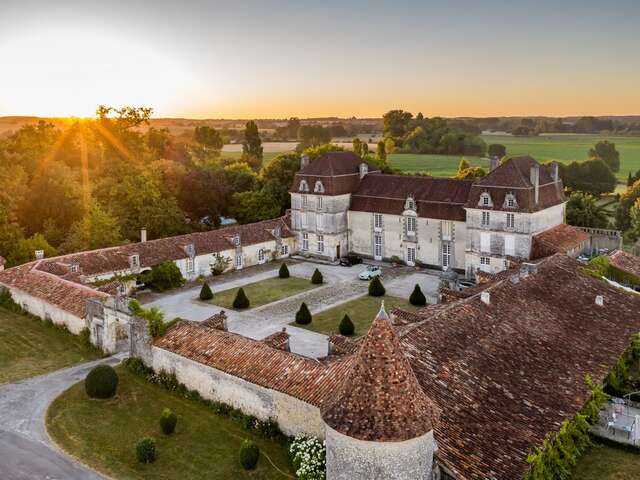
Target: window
{"points": [[447, 230], [411, 225], [303, 186], [486, 219], [377, 247], [305, 241], [75, 268], [134, 261], [305, 220], [319, 203], [485, 261], [284, 250], [511, 220], [446, 254], [411, 255], [236, 240], [509, 245], [485, 200], [319, 188], [377, 220], [410, 204], [261, 255], [190, 265], [305, 201], [238, 262], [485, 242], [320, 243], [510, 200], [319, 221]]}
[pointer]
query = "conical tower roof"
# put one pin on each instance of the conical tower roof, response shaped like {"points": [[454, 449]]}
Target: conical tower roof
{"points": [[380, 398]]}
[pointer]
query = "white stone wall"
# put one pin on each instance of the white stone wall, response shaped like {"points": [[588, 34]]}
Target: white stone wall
{"points": [[44, 310], [352, 459], [293, 415]]}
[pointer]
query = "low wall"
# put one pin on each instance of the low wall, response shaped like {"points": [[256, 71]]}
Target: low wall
{"points": [[293, 415], [45, 310]]}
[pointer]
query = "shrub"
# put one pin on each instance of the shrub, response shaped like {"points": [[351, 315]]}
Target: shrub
{"points": [[308, 456], [101, 382], [162, 277], [376, 289], [284, 271], [417, 298], [85, 337], [220, 264], [303, 315], [316, 278], [346, 326], [241, 301], [205, 292], [146, 450], [168, 421], [249, 455]]}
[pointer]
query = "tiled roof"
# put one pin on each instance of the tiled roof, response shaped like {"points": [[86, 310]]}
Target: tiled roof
{"points": [[307, 379], [279, 340], [626, 262], [561, 238], [65, 294], [504, 375], [217, 321], [380, 398]]}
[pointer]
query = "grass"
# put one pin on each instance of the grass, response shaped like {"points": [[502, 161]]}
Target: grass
{"points": [[30, 347], [264, 292], [103, 434], [362, 311], [435, 165], [602, 462]]}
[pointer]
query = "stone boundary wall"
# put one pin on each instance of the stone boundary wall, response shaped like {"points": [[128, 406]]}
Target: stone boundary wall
{"points": [[603, 238]]}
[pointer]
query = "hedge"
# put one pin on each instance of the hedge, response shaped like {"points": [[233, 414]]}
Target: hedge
{"points": [[346, 326], [249, 455], [376, 289], [417, 298], [168, 421], [101, 382], [316, 278], [284, 271], [241, 301], [146, 450], [205, 292], [303, 315]]}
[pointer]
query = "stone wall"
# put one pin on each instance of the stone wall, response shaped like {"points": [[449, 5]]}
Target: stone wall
{"points": [[349, 458], [45, 310]]}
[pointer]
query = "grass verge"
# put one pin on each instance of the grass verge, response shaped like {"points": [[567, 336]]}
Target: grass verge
{"points": [[264, 292], [606, 462]]}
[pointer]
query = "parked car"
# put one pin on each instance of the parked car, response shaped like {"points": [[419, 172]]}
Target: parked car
{"points": [[350, 260], [370, 272], [466, 284]]}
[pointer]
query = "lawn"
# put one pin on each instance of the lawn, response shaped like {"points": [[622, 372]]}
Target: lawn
{"points": [[603, 462], [29, 347], [103, 434], [264, 292], [362, 311], [435, 165]]}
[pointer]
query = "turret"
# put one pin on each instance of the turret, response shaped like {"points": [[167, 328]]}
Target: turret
{"points": [[380, 423]]}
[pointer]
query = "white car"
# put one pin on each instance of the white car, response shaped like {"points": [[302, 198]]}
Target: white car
{"points": [[370, 272]]}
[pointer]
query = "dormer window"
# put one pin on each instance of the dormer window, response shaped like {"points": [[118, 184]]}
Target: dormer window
{"points": [[304, 186], [190, 250], [319, 188], [134, 261], [74, 268], [510, 201], [236, 240], [364, 169], [485, 200], [410, 204], [276, 232]]}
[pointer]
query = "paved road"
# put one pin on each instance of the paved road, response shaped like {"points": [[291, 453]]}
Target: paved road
{"points": [[26, 453]]}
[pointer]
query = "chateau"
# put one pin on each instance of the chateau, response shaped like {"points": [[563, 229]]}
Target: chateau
{"points": [[341, 204]]}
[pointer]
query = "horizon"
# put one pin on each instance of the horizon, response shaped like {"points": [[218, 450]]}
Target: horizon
{"points": [[198, 61]]}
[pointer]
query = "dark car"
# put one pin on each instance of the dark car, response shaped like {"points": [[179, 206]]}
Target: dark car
{"points": [[350, 260]]}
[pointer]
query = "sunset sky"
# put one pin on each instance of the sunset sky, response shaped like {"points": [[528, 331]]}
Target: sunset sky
{"points": [[265, 59]]}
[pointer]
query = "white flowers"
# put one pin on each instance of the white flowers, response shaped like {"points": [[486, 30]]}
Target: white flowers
{"points": [[309, 456]]}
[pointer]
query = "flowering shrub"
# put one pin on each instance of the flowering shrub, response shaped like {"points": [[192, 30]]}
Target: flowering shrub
{"points": [[309, 457]]}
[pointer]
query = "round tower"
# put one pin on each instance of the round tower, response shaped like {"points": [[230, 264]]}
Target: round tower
{"points": [[380, 423]]}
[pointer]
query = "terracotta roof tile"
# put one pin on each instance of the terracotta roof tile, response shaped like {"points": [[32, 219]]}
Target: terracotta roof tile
{"points": [[561, 238], [279, 340], [626, 262], [217, 321]]}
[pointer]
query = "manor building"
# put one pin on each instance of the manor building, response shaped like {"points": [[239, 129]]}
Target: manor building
{"points": [[340, 204]]}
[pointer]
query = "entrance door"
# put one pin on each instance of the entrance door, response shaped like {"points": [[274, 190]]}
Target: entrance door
{"points": [[411, 256], [338, 251]]}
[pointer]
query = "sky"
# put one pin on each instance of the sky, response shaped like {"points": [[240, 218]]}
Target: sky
{"points": [[276, 59]]}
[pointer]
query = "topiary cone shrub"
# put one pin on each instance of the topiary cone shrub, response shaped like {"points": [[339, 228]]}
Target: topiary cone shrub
{"points": [[284, 271], [316, 278], [146, 450], [205, 292], [376, 289], [241, 301], [346, 326], [303, 316], [249, 455], [417, 298], [101, 382], [168, 421]]}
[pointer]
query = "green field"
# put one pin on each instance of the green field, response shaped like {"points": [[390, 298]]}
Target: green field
{"points": [[602, 462], [435, 165], [29, 347], [103, 435]]}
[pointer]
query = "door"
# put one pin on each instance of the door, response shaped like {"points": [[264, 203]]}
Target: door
{"points": [[338, 251], [377, 247], [411, 256]]}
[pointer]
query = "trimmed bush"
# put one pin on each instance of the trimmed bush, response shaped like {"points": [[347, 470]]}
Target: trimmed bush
{"points": [[346, 326], [284, 271], [249, 455], [241, 301], [417, 298], [146, 450], [101, 382], [205, 292], [168, 421], [162, 277], [376, 289], [316, 278], [303, 316]]}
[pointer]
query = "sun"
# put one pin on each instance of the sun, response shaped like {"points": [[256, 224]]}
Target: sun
{"points": [[68, 72]]}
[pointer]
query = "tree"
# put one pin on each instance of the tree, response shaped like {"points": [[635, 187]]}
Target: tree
{"points": [[417, 298], [252, 144], [634, 217], [25, 249], [284, 271], [203, 193], [241, 301], [312, 136], [346, 326], [164, 276], [497, 150], [606, 151], [278, 177], [316, 278], [583, 211], [303, 315], [463, 165], [208, 138], [240, 177], [254, 206], [396, 123], [623, 211], [592, 176], [159, 141], [357, 146], [205, 292], [389, 145], [97, 229], [633, 178], [471, 173], [381, 151], [376, 289]]}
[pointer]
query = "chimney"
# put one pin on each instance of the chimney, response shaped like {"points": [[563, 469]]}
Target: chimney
{"points": [[143, 235], [39, 254], [600, 300], [304, 162], [494, 162], [555, 173], [485, 297], [535, 181]]}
